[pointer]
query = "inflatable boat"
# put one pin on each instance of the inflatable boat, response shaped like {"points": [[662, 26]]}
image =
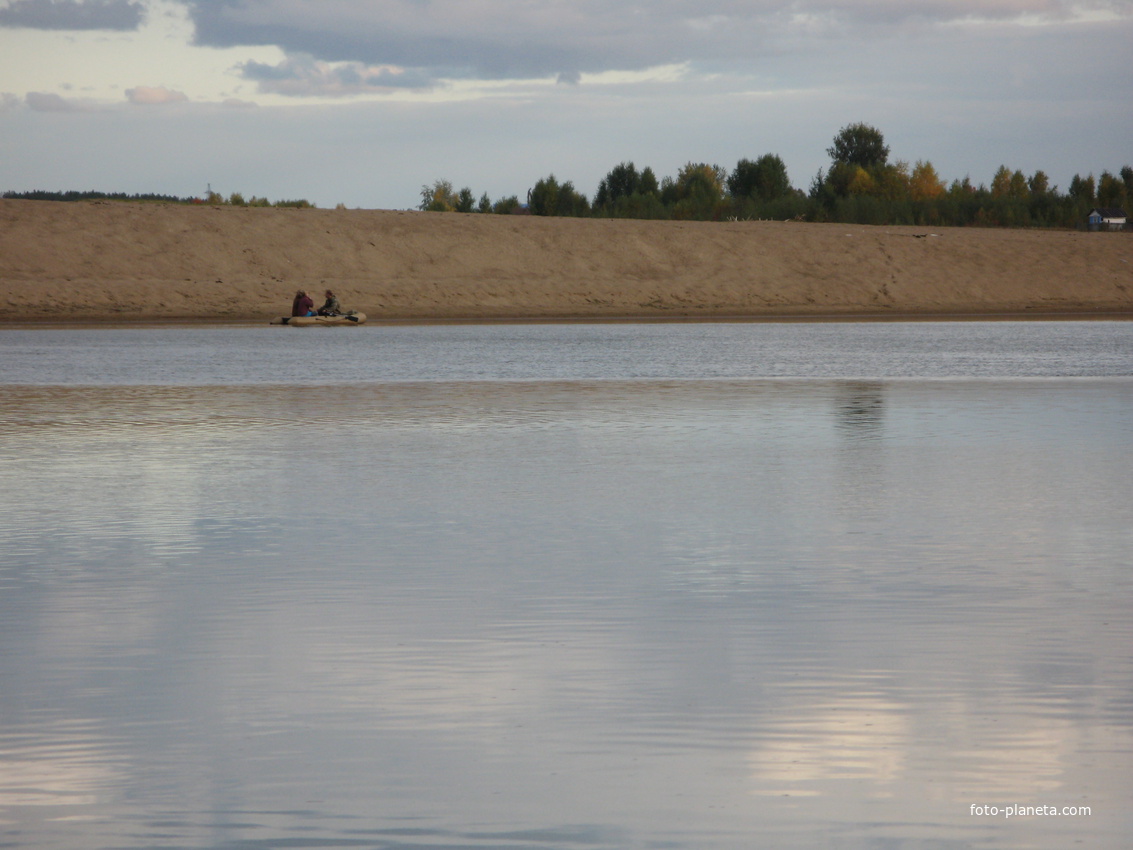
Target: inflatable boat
{"points": [[351, 318]]}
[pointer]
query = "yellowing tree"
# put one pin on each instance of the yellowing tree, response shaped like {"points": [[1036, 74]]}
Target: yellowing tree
{"points": [[1008, 184], [440, 197], [861, 183], [893, 181], [1001, 182], [701, 179], [924, 183], [1019, 185]]}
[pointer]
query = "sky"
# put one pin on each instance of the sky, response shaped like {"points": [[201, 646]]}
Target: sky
{"points": [[362, 102]]}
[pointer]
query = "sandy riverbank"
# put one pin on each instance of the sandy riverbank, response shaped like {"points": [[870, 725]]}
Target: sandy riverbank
{"points": [[98, 262]]}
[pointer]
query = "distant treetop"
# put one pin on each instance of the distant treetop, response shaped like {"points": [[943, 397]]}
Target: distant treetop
{"points": [[861, 145]]}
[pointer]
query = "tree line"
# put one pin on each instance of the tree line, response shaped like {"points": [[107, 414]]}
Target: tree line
{"points": [[236, 199], [861, 186]]}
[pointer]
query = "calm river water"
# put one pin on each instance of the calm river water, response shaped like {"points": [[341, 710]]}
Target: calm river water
{"points": [[567, 587]]}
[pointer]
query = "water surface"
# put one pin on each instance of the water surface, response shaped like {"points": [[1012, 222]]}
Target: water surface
{"points": [[578, 352], [566, 587]]}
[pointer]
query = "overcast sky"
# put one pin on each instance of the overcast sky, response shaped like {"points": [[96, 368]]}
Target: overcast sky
{"points": [[362, 101]]}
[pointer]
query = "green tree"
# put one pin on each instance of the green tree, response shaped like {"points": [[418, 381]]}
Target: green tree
{"points": [[765, 179], [860, 167], [962, 187], [642, 205], [544, 196], [506, 206], [1039, 184], [622, 181], [465, 203], [627, 193], [697, 191], [648, 183], [1082, 189], [859, 144], [549, 197], [572, 202], [1111, 191]]}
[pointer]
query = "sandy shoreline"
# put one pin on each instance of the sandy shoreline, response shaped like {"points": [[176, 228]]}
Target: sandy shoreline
{"points": [[98, 263], [1030, 316]]}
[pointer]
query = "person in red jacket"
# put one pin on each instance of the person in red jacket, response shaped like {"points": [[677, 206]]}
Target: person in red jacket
{"points": [[302, 305]]}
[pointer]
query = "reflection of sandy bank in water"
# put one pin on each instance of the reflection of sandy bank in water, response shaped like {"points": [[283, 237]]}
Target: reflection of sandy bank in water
{"points": [[116, 262], [437, 405]]}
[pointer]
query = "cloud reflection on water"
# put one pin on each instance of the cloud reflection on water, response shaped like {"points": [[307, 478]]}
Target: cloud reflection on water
{"points": [[656, 607]]}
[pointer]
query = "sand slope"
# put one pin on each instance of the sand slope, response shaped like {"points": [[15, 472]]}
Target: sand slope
{"points": [[112, 261]]}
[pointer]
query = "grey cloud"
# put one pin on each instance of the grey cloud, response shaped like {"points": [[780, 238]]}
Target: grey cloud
{"points": [[488, 39], [48, 102], [442, 49], [513, 38], [72, 15], [303, 75]]}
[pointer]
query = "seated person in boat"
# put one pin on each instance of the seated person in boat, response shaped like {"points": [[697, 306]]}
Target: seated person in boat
{"points": [[302, 305], [330, 307]]}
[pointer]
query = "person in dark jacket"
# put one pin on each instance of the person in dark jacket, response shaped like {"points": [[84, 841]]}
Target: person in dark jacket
{"points": [[330, 307]]}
